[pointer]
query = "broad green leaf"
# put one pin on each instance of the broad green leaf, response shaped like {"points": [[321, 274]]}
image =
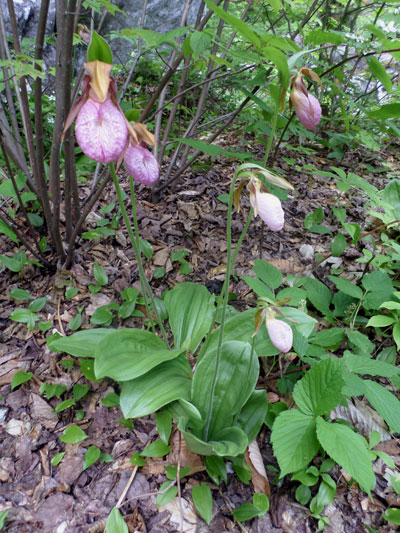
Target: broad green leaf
{"points": [[259, 287], [8, 232], [126, 354], [25, 316], [280, 61], [381, 321], [294, 293], [243, 28], [390, 305], [268, 273], [91, 456], [373, 367], [20, 377], [73, 434], [115, 522], [187, 412], [237, 375], [338, 245], [329, 337], [363, 345], [167, 382], [216, 469], [379, 71], [168, 492], [386, 403], [158, 448], [246, 511], [391, 194], [253, 413], [322, 37], [347, 287], [164, 425], [320, 390], [79, 391], [349, 450], [380, 288], [20, 294], [386, 111], [103, 316], [203, 501], [294, 440], [81, 343], [303, 323], [37, 305], [99, 50], [392, 514], [191, 311], [200, 42], [100, 275], [319, 295]]}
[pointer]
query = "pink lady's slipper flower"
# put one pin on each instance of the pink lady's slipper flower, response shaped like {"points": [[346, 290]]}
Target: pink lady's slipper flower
{"points": [[280, 333], [306, 106], [101, 128], [139, 161], [267, 206]]}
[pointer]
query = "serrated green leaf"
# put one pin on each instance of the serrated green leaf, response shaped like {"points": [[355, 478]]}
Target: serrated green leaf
{"points": [[322, 37], [259, 287], [349, 450], [320, 390], [361, 341], [347, 287], [338, 245], [379, 71], [268, 273], [294, 440], [319, 295], [329, 337], [202, 499], [362, 365], [200, 42]]}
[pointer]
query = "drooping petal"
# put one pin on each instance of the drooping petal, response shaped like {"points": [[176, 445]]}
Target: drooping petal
{"points": [[280, 333], [269, 208], [101, 131], [141, 164]]}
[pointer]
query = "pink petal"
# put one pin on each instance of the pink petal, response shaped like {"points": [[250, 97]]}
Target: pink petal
{"points": [[269, 208], [101, 131], [141, 164], [308, 110], [280, 333]]}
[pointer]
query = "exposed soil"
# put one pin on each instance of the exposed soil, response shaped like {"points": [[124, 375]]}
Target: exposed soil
{"points": [[66, 498]]}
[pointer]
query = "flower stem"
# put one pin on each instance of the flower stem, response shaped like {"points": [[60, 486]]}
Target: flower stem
{"points": [[274, 122], [225, 295], [136, 249]]}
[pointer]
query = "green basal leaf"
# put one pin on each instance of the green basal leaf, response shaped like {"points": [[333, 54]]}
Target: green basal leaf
{"points": [[99, 50], [349, 450], [229, 442], [167, 382], [191, 310], [253, 413], [294, 440], [237, 375], [81, 343], [126, 354], [320, 390]]}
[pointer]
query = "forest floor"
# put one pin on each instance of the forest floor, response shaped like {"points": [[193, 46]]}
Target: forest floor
{"points": [[68, 498]]}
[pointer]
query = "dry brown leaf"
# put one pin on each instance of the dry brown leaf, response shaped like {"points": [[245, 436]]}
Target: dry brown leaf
{"points": [[258, 474], [181, 515], [363, 418], [180, 452]]}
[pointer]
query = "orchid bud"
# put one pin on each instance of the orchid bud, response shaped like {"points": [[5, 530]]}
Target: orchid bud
{"points": [[280, 333], [101, 130], [269, 208], [141, 164]]}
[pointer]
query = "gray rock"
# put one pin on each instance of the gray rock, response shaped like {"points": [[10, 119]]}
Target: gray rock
{"points": [[307, 253], [27, 13]]}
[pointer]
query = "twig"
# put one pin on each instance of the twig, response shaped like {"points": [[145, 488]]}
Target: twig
{"points": [[127, 487]]}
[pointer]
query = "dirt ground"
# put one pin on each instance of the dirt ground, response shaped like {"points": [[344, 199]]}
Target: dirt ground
{"points": [[68, 498]]}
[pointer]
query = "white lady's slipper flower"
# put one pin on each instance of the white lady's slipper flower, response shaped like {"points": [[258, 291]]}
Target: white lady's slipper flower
{"points": [[280, 333], [306, 106], [269, 208]]}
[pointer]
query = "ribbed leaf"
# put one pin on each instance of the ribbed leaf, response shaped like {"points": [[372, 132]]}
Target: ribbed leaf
{"points": [[128, 353], [387, 405], [81, 343], [191, 309]]}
